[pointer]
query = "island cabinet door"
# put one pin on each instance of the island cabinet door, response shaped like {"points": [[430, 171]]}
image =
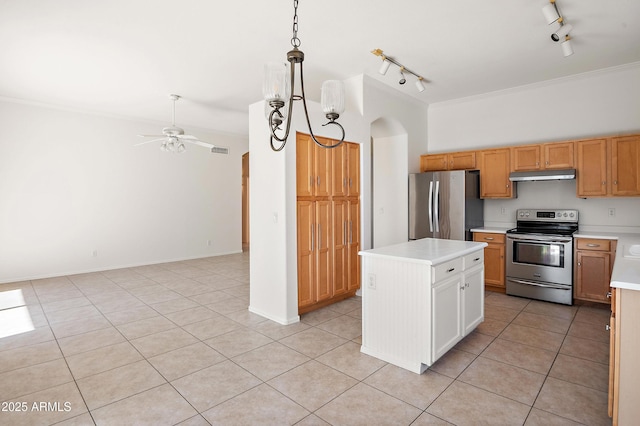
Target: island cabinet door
{"points": [[446, 306], [472, 299]]}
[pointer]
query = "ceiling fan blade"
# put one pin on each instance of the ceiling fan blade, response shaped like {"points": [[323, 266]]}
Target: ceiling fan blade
{"points": [[152, 136], [188, 137], [146, 142], [199, 142]]}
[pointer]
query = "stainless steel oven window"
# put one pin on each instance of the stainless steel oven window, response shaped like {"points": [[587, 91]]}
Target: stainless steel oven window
{"points": [[532, 253]]}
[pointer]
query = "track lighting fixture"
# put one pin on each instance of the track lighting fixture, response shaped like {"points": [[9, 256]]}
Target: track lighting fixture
{"points": [[552, 14], [386, 63], [278, 89]]}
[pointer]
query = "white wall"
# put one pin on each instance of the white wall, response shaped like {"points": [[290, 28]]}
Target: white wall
{"points": [[390, 190], [600, 103], [72, 183]]}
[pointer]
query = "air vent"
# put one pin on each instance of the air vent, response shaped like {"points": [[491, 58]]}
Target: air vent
{"points": [[220, 150]]}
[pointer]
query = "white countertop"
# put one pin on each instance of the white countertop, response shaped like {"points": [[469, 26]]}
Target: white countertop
{"points": [[493, 229], [431, 251]]}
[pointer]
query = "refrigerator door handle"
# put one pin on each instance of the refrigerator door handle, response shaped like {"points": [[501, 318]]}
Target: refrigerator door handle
{"points": [[431, 206], [436, 209]]}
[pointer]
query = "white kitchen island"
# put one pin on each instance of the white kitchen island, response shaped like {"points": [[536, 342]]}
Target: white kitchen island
{"points": [[420, 298]]}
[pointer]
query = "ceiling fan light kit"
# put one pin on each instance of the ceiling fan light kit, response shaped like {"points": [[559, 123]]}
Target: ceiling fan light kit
{"points": [[278, 89], [386, 63], [552, 14], [173, 137]]}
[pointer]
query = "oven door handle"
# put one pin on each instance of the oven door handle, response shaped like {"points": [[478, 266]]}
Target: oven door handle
{"points": [[541, 240], [558, 287]]}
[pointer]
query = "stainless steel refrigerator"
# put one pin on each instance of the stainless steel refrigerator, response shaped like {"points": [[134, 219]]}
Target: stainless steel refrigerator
{"points": [[445, 205]]}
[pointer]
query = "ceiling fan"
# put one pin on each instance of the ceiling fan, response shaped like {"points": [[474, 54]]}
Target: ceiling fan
{"points": [[173, 137]]}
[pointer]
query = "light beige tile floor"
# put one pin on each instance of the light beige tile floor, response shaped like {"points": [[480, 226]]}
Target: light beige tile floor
{"points": [[175, 344]]}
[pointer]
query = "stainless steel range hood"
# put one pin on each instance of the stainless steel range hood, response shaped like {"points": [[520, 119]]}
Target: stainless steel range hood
{"points": [[542, 175]]}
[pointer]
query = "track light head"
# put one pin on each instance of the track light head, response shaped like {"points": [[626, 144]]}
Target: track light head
{"points": [[562, 32], [419, 85], [402, 79], [385, 66], [550, 13]]}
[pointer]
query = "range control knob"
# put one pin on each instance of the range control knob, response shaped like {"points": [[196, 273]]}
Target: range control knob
{"points": [[571, 214], [564, 214], [527, 214], [521, 214]]}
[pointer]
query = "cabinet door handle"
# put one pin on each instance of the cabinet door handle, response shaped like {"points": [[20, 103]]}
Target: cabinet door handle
{"points": [[507, 185], [318, 180], [489, 238], [350, 182], [604, 182], [615, 182], [311, 181], [319, 236], [451, 270], [344, 234], [476, 259], [607, 327], [313, 236], [593, 245], [462, 288], [547, 163], [609, 295]]}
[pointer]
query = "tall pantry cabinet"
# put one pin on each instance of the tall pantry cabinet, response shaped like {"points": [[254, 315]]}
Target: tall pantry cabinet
{"points": [[328, 211]]}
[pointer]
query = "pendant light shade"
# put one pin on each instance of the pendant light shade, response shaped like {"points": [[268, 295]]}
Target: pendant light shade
{"points": [[276, 85], [332, 98]]}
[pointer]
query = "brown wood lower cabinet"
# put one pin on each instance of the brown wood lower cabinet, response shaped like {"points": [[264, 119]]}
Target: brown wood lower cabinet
{"points": [[624, 392], [592, 269], [494, 260]]}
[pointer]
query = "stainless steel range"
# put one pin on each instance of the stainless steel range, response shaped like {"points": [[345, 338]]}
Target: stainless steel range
{"points": [[540, 255]]}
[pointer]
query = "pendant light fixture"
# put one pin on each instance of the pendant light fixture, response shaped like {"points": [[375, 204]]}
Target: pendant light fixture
{"points": [[278, 89]]}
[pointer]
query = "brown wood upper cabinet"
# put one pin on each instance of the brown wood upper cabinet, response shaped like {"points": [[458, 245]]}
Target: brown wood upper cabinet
{"points": [[608, 167], [495, 166], [313, 168], [558, 155], [464, 160]]}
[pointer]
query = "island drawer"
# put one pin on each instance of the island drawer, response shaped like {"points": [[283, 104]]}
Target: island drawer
{"points": [[593, 244], [473, 259], [446, 269]]}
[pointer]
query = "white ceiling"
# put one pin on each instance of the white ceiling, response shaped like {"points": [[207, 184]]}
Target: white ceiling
{"points": [[123, 57]]}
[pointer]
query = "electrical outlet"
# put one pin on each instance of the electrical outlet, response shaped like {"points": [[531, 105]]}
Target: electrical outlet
{"points": [[372, 282], [209, 243], [94, 253], [612, 212]]}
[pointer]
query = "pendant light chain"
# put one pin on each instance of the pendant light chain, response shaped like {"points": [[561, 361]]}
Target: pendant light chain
{"points": [[295, 41], [278, 82]]}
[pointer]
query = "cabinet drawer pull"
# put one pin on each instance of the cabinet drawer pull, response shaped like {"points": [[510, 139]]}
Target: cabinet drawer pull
{"points": [[593, 245], [451, 270], [476, 259], [489, 238]]}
